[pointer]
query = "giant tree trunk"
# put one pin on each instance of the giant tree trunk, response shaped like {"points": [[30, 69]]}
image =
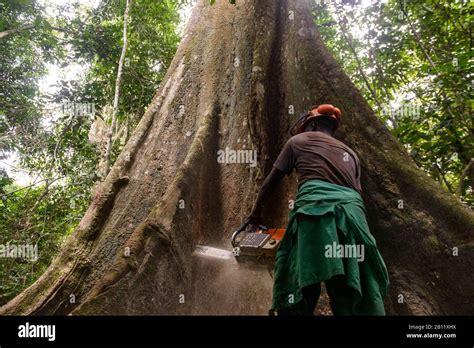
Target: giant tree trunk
{"points": [[236, 75]]}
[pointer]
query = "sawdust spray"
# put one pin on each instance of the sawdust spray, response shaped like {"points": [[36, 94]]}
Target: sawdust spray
{"points": [[230, 289]]}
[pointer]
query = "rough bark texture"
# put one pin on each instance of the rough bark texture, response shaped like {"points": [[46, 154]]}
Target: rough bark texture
{"points": [[236, 73]]}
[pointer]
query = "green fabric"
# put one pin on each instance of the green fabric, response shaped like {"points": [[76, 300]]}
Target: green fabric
{"points": [[325, 213]]}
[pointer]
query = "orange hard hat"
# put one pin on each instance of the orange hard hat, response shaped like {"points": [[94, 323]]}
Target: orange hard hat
{"points": [[327, 110]]}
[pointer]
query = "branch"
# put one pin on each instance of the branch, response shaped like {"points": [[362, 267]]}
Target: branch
{"points": [[464, 173], [13, 31], [415, 34], [29, 186], [446, 182], [29, 27]]}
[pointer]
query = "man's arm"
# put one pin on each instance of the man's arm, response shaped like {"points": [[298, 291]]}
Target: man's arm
{"points": [[269, 184]]}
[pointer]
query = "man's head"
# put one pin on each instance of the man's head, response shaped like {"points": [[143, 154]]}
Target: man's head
{"points": [[325, 118], [323, 124]]}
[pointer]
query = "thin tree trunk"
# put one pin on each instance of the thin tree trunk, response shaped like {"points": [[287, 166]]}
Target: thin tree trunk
{"points": [[236, 73], [110, 135], [6, 33], [9, 32]]}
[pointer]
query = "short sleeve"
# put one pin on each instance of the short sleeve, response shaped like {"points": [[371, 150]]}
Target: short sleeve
{"points": [[358, 169], [286, 159], [357, 163], [358, 174]]}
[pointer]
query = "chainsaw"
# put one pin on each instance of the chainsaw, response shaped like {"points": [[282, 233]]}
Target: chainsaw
{"points": [[251, 247]]}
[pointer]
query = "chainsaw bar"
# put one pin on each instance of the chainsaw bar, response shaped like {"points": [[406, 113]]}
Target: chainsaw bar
{"points": [[209, 252]]}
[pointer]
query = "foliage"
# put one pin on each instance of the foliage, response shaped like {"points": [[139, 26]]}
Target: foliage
{"points": [[22, 63], [28, 217], [411, 59], [43, 130]]}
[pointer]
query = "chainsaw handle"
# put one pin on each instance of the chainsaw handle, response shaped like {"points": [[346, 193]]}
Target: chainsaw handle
{"points": [[241, 229]]}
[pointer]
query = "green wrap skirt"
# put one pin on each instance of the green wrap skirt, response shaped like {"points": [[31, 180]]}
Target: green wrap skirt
{"points": [[328, 236]]}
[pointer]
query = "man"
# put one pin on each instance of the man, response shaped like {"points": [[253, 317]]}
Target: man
{"points": [[327, 237]]}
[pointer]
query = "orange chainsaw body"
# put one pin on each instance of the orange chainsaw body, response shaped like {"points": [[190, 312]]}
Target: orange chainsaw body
{"points": [[252, 248], [258, 247]]}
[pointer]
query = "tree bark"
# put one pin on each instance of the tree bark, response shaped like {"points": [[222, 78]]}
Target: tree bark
{"points": [[237, 73]]}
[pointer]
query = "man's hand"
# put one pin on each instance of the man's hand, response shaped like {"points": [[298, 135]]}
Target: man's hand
{"points": [[255, 219]]}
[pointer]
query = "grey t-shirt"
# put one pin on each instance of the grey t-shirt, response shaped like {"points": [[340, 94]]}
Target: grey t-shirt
{"points": [[316, 155]]}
